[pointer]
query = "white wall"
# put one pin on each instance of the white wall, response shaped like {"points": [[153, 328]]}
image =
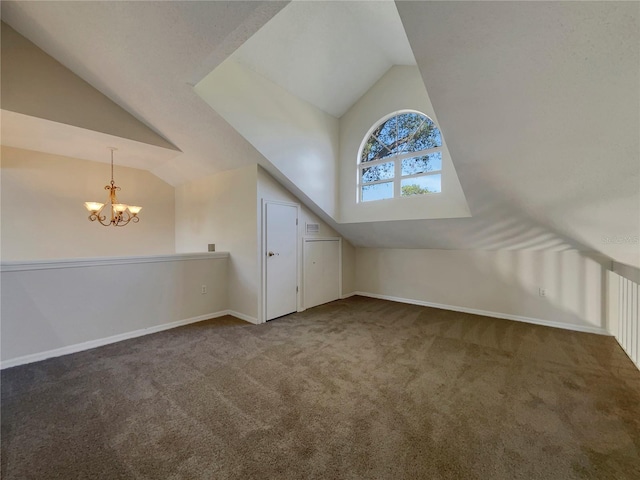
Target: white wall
{"points": [[270, 189], [299, 139], [221, 209], [502, 282], [43, 213], [401, 88], [56, 307]]}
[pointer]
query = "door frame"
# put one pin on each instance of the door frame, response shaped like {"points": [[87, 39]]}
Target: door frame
{"points": [[309, 238], [262, 311]]}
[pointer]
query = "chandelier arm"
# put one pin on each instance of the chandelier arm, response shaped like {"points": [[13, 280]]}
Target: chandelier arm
{"points": [[122, 221], [100, 218], [93, 217]]}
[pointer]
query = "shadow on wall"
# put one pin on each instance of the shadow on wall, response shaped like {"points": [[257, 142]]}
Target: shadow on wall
{"points": [[496, 261], [572, 275], [509, 222]]}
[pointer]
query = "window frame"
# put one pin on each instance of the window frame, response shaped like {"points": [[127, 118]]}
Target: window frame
{"points": [[396, 159]]}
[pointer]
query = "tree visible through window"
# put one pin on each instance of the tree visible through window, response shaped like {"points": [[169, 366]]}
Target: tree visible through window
{"points": [[401, 157]]}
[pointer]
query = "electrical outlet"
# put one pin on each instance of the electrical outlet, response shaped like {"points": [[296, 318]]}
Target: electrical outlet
{"points": [[204, 289], [542, 292]]}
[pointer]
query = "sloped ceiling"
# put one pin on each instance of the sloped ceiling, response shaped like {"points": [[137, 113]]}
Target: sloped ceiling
{"points": [[32, 133], [328, 53], [35, 84], [145, 56], [48, 108], [541, 105], [539, 101]]}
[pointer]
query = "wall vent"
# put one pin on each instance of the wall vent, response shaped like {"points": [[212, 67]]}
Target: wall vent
{"points": [[312, 228]]}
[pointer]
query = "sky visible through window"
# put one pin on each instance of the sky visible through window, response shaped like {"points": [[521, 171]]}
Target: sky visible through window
{"points": [[413, 140]]}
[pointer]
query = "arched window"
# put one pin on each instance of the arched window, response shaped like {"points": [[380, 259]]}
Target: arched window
{"points": [[401, 156]]}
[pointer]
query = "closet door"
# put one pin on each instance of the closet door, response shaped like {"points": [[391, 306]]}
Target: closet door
{"points": [[322, 275]]}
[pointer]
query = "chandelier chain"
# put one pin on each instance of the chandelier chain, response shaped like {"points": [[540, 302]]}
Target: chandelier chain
{"points": [[112, 149]]}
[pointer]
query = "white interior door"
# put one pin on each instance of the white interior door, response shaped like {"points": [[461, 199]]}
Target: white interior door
{"points": [[321, 271], [281, 259]]}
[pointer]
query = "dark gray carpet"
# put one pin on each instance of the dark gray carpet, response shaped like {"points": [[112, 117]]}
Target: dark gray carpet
{"points": [[356, 389]]}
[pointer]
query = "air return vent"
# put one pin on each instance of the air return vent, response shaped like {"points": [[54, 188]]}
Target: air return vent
{"points": [[312, 228]]}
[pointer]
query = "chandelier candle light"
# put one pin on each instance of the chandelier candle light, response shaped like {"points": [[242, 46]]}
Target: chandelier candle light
{"points": [[121, 213]]}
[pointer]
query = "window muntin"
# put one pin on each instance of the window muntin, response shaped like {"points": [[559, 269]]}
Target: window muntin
{"points": [[406, 148]]}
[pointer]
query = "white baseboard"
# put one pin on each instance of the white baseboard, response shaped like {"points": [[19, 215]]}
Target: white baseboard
{"points": [[347, 295], [242, 316], [505, 316], [79, 347]]}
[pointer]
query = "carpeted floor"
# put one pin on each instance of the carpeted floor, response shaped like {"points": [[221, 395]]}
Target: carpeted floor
{"points": [[355, 389]]}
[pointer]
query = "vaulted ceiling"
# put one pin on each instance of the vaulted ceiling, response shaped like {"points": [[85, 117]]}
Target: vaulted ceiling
{"points": [[328, 53], [145, 56], [539, 102], [542, 105]]}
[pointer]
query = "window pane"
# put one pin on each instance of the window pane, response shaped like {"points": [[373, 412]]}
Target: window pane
{"points": [[406, 132], [408, 123], [426, 136], [425, 163], [374, 150], [377, 191], [386, 132], [420, 185], [377, 172]]}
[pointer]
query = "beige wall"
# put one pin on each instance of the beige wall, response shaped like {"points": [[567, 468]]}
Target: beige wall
{"points": [[270, 189], [43, 213], [504, 282], [348, 267], [66, 304], [225, 209], [221, 209]]}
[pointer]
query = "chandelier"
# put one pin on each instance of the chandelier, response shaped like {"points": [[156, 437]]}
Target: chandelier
{"points": [[121, 213]]}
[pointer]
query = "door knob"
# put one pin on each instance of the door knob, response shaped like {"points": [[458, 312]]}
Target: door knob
{"points": [[271, 254]]}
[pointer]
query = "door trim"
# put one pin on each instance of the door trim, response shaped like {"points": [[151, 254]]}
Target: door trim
{"points": [[262, 310], [306, 239]]}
